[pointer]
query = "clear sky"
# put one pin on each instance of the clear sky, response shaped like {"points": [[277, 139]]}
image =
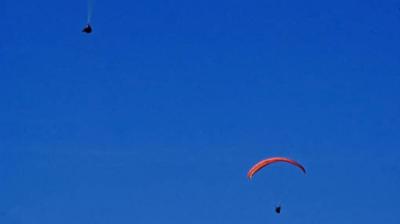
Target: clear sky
{"points": [[158, 114]]}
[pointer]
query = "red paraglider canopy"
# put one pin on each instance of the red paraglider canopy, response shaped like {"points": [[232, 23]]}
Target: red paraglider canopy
{"points": [[258, 166]]}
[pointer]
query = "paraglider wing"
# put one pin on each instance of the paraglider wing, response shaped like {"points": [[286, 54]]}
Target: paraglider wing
{"points": [[258, 166]]}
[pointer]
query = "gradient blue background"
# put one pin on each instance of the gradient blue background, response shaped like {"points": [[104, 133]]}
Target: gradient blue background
{"points": [[157, 116]]}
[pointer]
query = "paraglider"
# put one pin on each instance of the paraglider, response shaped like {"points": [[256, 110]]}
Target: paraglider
{"points": [[265, 162], [258, 166]]}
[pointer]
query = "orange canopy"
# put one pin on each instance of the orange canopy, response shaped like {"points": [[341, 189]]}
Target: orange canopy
{"points": [[258, 166]]}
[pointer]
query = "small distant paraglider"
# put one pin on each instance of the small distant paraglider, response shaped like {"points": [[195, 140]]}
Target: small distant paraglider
{"points": [[88, 28], [265, 162]]}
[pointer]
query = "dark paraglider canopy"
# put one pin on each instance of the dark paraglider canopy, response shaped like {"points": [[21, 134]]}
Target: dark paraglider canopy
{"points": [[87, 29]]}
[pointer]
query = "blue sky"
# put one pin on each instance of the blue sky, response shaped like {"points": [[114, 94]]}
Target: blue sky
{"points": [[157, 116]]}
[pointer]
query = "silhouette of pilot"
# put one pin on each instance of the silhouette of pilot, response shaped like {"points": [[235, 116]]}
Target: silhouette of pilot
{"points": [[278, 209], [87, 29]]}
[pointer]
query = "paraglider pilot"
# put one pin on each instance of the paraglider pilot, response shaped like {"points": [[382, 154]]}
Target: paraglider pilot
{"points": [[278, 209], [87, 29]]}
